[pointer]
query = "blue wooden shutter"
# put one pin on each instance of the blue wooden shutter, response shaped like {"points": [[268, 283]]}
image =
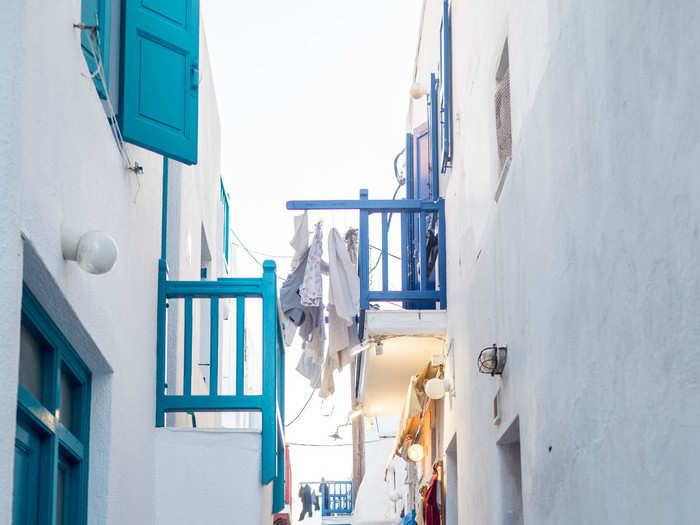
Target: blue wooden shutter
{"points": [[160, 76]]}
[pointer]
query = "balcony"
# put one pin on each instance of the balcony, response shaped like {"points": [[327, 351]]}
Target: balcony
{"points": [[182, 396], [400, 340]]}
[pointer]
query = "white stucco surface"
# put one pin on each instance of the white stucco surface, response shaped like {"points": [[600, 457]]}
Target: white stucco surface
{"points": [[586, 267], [208, 476], [10, 242], [373, 505]]}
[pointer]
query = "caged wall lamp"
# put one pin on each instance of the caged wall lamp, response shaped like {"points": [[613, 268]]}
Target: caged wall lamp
{"points": [[492, 359]]}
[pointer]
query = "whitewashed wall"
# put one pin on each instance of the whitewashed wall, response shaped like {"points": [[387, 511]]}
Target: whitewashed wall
{"points": [[586, 267], [209, 476], [60, 165]]}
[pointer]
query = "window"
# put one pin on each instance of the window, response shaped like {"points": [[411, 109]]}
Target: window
{"points": [[158, 43], [51, 444], [502, 106], [446, 86], [224, 202]]}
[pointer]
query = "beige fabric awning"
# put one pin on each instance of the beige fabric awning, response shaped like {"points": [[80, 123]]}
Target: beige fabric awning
{"points": [[412, 414]]}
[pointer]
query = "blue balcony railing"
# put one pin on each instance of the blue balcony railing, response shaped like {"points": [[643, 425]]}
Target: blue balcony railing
{"points": [[270, 403], [336, 498], [416, 287]]}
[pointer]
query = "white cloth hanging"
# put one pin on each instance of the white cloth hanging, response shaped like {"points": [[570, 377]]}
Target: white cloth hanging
{"points": [[343, 301], [300, 240], [311, 289]]}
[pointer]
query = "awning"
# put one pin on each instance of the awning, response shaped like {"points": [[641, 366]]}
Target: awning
{"points": [[415, 403]]}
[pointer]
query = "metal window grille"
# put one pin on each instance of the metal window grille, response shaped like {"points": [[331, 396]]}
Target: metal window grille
{"points": [[504, 137]]}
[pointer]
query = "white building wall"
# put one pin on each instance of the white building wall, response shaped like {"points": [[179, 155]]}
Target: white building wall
{"points": [[228, 492], [586, 265], [10, 242], [374, 505], [61, 166]]}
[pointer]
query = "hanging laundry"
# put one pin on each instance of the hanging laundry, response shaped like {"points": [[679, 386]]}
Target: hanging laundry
{"points": [[300, 240], [290, 301], [311, 288], [343, 301], [432, 507]]}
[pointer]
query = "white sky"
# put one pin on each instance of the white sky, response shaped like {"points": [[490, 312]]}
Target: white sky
{"points": [[312, 97]]}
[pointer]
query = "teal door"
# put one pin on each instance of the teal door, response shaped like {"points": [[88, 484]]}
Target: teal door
{"points": [[26, 476]]}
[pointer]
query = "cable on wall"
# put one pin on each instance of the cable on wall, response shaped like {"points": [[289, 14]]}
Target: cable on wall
{"points": [[93, 39]]}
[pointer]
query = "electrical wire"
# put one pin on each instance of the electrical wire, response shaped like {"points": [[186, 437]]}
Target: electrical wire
{"points": [[263, 254], [287, 425], [249, 252], [335, 444]]}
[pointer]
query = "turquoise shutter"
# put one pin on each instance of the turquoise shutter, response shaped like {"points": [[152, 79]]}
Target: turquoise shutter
{"points": [[160, 76]]}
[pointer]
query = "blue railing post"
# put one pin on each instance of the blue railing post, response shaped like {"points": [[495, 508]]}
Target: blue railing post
{"points": [[214, 346], [269, 347], [442, 254], [240, 345], [364, 253], [187, 382], [160, 342], [280, 481]]}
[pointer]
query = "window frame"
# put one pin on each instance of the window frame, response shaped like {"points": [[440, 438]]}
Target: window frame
{"points": [[445, 86], [60, 447]]}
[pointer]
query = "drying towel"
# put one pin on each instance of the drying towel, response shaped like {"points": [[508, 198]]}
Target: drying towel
{"points": [[311, 289], [343, 302], [300, 240]]}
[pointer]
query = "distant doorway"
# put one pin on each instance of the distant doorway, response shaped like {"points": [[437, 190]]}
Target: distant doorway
{"points": [[452, 499], [511, 476]]}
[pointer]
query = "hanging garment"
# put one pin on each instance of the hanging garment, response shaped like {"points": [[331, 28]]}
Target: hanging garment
{"points": [[408, 518], [343, 301], [300, 240], [309, 369], [311, 288], [306, 502], [328, 381], [290, 301], [432, 508], [420, 512], [289, 329]]}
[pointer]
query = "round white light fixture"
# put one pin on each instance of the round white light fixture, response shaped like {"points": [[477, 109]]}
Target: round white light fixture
{"points": [[94, 251], [418, 90], [415, 452], [435, 388]]}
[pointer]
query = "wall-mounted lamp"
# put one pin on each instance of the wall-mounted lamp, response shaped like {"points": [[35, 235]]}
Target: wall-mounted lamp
{"points": [[378, 348], [336, 435], [436, 388], [418, 90], [94, 251], [492, 359], [415, 452]]}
